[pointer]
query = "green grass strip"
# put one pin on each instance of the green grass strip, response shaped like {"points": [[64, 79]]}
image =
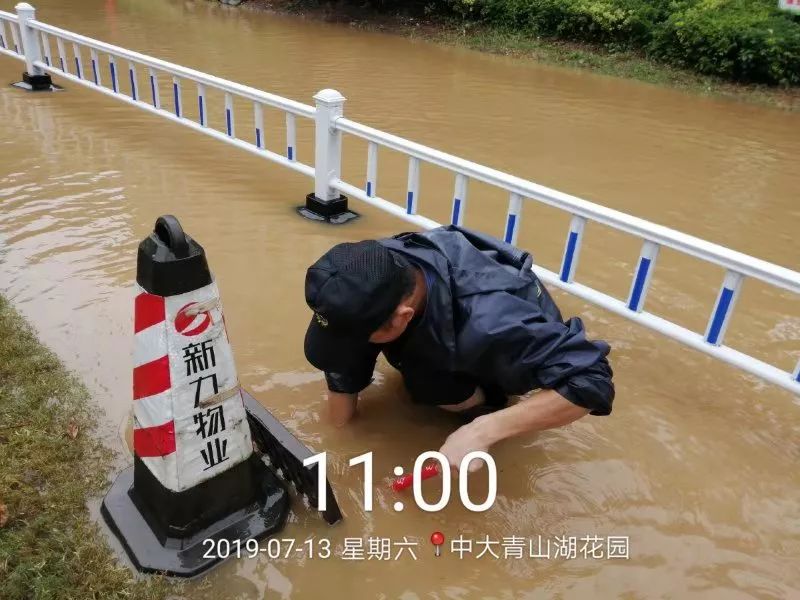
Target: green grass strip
{"points": [[51, 464]]}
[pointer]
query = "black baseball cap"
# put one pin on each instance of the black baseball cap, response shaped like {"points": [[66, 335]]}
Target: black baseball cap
{"points": [[352, 289]]}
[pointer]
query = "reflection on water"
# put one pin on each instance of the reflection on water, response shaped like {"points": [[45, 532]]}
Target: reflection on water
{"points": [[697, 465]]}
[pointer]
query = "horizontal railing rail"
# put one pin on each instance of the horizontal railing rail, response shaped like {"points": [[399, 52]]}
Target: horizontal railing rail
{"points": [[10, 44], [52, 57], [247, 92], [719, 255], [25, 38]]}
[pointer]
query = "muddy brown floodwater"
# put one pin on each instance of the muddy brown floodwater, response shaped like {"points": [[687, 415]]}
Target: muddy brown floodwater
{"points": [[698, 465]]}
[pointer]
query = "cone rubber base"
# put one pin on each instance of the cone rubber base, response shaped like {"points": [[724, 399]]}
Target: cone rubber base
{"points": [[189, 556]]}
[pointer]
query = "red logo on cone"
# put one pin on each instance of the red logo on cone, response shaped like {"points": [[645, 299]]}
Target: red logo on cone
{"points": [[191, 324]]}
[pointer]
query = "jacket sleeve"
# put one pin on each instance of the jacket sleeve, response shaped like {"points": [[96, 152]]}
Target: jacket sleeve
{"points": [[356, 376], [520, 348], [348, 383]]}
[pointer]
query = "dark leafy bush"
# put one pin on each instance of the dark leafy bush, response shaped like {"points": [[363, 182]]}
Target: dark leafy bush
{"points": [[741, 40], [622, 23], [736, 39]]}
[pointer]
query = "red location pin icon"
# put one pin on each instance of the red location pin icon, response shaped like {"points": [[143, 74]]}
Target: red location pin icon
{"points": [[437, 539]]}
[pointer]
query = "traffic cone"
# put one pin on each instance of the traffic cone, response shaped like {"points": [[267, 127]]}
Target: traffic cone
{"points": [[195, 476]]}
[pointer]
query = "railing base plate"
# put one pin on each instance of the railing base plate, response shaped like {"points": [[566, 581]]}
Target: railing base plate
{"points": [[36, 83], [334, 212]]}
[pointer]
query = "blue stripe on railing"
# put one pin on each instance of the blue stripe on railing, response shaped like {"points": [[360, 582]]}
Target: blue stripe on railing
{"points": [[133, 85], [410, 202], [369, 189], [153, 89], [60, 60], [798, 375], [202, 112], [176, 98], [719, 316], [638, 284], [228, 121], [46, 59], [113, 76], [569, 255], [16, 48], [78, 68], [290, 153], [512, 219], [2, 42], [94, 72], [258, 137], [456, 211]]}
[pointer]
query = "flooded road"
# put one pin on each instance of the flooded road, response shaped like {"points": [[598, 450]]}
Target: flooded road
{"points": [[698, 463]]}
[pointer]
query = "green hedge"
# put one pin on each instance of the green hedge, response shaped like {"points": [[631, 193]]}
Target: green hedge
{"points": [[739, 40], [742, 40], [621, 23]]}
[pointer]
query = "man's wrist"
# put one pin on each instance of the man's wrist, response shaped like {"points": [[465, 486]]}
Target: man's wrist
{"points": [[489, 428]]}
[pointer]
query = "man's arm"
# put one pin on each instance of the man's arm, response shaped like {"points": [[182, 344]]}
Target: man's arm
{"points": [[343, 390], [341, 407], [520, 348], [544, 410], [526, 349]]}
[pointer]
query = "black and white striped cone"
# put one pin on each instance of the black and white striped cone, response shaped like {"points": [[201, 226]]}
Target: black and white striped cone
{"points": [[195, 476]]}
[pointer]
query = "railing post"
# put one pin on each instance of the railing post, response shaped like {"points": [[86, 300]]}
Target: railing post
{"points": [[328, 146], [326, 203], [34, 78]]}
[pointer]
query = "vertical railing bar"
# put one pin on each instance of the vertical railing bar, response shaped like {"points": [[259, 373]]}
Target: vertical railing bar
{"points": [[61, 54], [459, 199], [258, 120], [643, 275], [201, 104], [412, 195], [291, 137], [372, 169], [95, 69], [48, 57], [76, 51], [513, 218], [723, 308], [134, 81], [15, 37], [229, 124], [572, 249], [154, 88], [112, 67], [176, 95]]}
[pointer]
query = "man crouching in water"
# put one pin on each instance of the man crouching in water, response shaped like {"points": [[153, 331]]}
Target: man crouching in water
{"points": [[464, 319]]}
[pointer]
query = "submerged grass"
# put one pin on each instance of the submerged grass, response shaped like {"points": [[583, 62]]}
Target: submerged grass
{"points": [[627, 64], [490, 38], [50, 465]]}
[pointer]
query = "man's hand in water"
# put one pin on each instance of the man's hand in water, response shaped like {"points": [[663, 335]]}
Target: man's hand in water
{"points": [[544, 410], [468, 438]]}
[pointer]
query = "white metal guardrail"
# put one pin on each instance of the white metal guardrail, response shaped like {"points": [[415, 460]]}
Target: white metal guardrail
{"points": [[25, 38]]}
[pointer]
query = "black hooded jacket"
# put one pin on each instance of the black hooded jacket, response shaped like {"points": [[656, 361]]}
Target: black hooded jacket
{"points": [[489, 317]]}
